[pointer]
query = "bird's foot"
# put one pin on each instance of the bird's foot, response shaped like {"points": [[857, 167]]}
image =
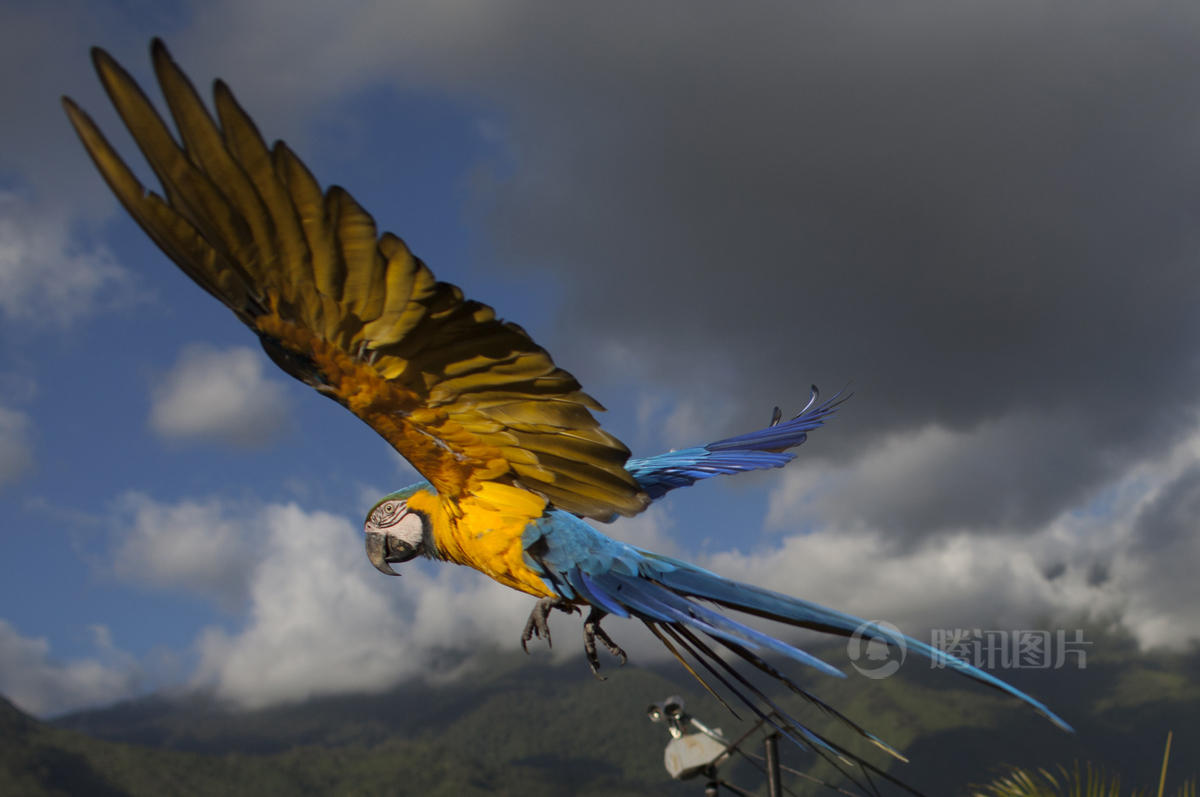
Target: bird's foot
{"points": [[538, 624], [591, 632]]}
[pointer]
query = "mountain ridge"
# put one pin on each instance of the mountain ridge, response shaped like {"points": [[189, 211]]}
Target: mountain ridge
{"points": [[531, 727]]}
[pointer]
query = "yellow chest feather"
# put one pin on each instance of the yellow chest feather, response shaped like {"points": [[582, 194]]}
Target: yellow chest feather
{"points": [[483, 530]]}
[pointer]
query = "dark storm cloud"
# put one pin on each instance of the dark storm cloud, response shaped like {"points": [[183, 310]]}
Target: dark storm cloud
{"points": [[980, 213], [1166, 551], [1172, 518], [1001, 476]]}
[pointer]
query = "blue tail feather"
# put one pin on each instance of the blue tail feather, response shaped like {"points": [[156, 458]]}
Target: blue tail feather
{"points": [[765, 448], [651, 597], [674, 599], [594, 594], [788, 434], [696, 582]]}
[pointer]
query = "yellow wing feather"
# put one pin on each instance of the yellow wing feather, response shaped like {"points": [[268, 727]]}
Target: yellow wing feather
{"points": [[476, 406]]}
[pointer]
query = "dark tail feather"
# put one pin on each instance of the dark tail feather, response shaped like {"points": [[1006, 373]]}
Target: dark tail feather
{"points": [[817, 702], [654, 629], [851, 766], [778, 723]]}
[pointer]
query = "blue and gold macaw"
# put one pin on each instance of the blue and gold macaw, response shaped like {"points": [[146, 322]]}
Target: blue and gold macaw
{"points": [[512, 455]]}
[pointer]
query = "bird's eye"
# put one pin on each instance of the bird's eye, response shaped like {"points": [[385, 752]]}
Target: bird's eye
{"points": [[387, 514]]}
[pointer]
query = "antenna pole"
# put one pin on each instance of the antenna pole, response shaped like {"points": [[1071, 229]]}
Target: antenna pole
{"points": [[774, 781]]}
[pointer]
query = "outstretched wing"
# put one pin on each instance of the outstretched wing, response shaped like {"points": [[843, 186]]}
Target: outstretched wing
{"points": [[464, 397], [765, 448]]}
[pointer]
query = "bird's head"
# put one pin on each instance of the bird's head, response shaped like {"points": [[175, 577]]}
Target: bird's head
{"points": [[395, 531]]}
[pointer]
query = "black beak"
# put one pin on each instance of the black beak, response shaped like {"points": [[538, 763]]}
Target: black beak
{"points": [[382, 549]]}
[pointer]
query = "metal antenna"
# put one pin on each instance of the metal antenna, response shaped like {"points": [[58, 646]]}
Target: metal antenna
{"points": [[704, 750], [696, 749]]}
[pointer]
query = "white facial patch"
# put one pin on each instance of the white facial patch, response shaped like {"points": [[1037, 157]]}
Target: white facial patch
{"points": [[409, 528]]}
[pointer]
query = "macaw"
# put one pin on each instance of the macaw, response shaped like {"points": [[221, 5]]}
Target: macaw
{"points": [[512, 456]]}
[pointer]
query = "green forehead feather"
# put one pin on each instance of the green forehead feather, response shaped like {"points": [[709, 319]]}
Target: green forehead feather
{"points": [[404, 493]]}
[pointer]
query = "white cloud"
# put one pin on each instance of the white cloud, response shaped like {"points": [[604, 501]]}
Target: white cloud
{"points": [[203, 547], [44, 276], [41, 685], [16, 452], [956, 581], [319, 620], [219, 394], [316, 618], [1098, 559], [322, 620], [1008, 472]]}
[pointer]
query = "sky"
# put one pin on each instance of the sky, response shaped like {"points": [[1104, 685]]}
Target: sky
{"points": [[979, 216]]}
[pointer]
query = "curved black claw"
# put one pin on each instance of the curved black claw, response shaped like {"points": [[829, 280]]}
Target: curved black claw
{"points": [[591, 632], [538, 623]]}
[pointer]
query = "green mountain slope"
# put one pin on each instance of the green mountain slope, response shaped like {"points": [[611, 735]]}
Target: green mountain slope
{"points": [[531, 728]]}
